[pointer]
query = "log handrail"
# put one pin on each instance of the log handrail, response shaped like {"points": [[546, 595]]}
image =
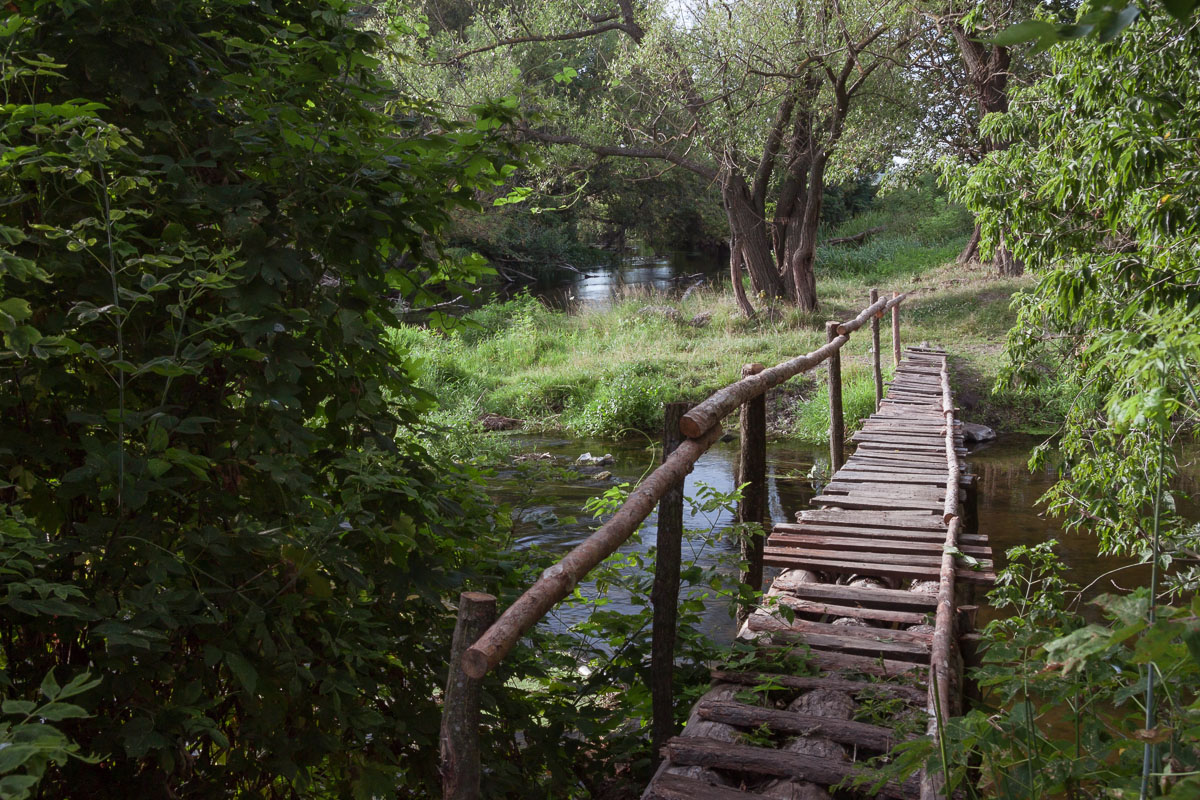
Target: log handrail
{"points": [[943, 675], [723, 401], [701, 426]]}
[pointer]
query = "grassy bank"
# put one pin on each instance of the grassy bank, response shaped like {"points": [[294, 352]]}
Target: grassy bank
{"points": [[607, 372]]}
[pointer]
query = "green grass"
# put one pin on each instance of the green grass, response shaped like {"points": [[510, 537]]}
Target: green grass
{"points": [[608, 372]]}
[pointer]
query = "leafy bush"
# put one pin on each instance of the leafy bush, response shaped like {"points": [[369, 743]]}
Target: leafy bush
{"points": [[206, 209], [632, 398]]}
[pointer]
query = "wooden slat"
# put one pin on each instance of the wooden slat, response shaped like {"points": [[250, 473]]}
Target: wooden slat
{"points": [[869, 544], [912, 694], [668, 786], [742, 715], [918, 559], [893, 534], [914, 520], [779, 557], [811, 608], [864, 501], [861, 596], [699, 752], [838, 486], [901, 641]]}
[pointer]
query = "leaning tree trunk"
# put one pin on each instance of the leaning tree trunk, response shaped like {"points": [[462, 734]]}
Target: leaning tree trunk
{"points": [[802, 238], [747, 227], [735, 273], [971, 251], [987, 69]]}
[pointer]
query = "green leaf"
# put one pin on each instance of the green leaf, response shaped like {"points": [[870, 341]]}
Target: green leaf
{"points": [[1027, 31], [242, 669], [18, 706], [50, 687], [1181, 10]]}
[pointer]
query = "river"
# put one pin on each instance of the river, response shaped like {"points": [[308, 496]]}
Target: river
{"points": [[1008, 511], [599, 286]]}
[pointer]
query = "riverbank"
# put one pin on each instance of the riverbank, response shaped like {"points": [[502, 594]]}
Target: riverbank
{"points": [[607, 372]]}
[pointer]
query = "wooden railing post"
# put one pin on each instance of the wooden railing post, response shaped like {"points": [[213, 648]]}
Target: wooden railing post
{"points": [[837, 425], [460, 705], [896, 331], [664, 594], [875, 352], [752, 471]]}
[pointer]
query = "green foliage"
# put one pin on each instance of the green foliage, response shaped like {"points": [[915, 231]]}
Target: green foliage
{"points": [[218, 503], [858, 403], [632, 397], [29, 741], [1097, 194], [922, 229], [589, 683]]}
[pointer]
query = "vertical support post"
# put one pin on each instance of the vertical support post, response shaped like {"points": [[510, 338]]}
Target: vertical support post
{"points": [[875, 352], [664, 594], [460, 706], [971, 505], [752, 471], [896, 331], [837, 424]]}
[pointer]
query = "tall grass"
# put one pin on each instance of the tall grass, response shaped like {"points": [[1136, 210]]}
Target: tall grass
{"points": [[604, 372]]}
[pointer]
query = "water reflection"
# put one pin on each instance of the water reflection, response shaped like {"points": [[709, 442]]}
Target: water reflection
{"points": [[599, 286], [1008, 510]]}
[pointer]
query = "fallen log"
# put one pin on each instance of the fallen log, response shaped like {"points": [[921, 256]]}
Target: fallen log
{"points": [[857, 238]]}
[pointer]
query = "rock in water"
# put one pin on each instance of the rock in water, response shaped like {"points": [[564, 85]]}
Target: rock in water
{"points": [[589, 460], [974, 434]]}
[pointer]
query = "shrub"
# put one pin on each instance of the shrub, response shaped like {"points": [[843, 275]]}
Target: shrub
{"points": [[203, 209], [631, 399]]}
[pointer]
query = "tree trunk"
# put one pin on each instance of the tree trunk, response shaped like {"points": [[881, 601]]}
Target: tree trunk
{"points": [[971, 251], [803, 255], [749, 230], [735, 273]]}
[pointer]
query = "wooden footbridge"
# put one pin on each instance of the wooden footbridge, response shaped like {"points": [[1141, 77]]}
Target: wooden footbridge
{"points": [[858, 633]]}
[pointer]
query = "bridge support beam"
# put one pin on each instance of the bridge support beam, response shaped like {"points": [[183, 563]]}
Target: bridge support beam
{"points": [[837, 423], [752, 471], [664, 594]]}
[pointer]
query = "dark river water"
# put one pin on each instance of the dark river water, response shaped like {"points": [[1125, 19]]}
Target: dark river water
{"points": [[1008, 509], [599, 286]]}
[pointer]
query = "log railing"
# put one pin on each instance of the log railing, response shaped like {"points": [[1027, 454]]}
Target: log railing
{"points": [[943, 667], [688, 438]]}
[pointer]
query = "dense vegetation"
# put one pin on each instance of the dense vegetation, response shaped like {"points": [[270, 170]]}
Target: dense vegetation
{"points": [[215, 505], [236, 501]]}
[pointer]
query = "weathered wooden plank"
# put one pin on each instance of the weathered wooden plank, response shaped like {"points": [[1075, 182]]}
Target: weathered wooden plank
{"points": [[866, 597], [887, 534], [870, 544], [811, 608], [916, 520], [843, 731], [684, 751], [863, 502], [931, 478], [874, 559], [825, 661], [780, 557], [908, 642], [668, 786], [912, 694], [838, 486]]}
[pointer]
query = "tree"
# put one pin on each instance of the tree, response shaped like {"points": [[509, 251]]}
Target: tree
{"points": [[216, 499], [1098, 188], [984, 76], [755, 98]]}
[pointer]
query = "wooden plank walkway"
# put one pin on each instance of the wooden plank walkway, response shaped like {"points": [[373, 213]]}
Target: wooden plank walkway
{"points": [[860, 588]]}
